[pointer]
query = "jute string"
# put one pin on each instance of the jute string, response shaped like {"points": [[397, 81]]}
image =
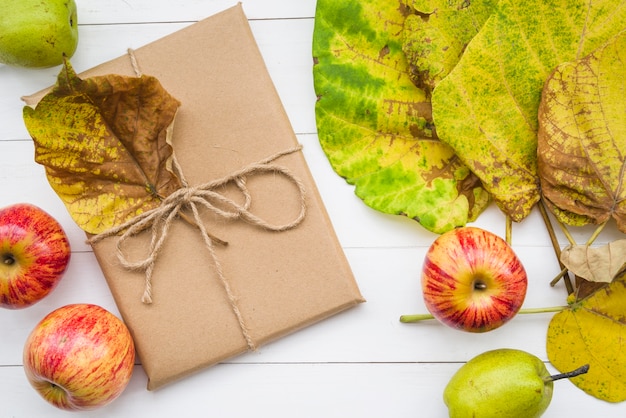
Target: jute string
{"points": [[160, 219]]}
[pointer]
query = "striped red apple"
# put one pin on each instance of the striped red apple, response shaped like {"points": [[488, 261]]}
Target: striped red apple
{"points": [[79, 357], [34, 253], [472, 280]]}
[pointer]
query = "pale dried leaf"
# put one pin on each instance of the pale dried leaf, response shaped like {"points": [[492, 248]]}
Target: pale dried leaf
{"points": [[596, 264]]}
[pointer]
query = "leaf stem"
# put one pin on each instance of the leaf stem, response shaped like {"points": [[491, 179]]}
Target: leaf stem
{"points": [[557, 249], [415, 318], [542, 310], [567, 234], [559, 276], [595, 234], [423, 317], [508, 229]]}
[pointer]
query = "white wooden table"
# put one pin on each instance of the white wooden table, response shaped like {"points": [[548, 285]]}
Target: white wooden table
{"points": [[361, 363]]}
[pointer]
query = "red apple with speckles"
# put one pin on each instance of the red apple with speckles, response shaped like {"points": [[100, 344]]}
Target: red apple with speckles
{"points": [[472, 280], [34, 253], [79, 357]]}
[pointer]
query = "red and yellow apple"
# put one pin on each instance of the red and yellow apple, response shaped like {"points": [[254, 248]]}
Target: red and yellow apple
{"points": [[34, 253], [79, 357], [472, 280]]}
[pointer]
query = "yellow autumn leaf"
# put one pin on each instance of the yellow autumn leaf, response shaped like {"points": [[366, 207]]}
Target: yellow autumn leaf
{"points": [[593, 331], [582, 138], [436, 33], [105, 143], [486, 108]]}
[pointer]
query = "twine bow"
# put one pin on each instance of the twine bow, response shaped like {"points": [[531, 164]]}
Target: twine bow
{"points": [[160, 219]]}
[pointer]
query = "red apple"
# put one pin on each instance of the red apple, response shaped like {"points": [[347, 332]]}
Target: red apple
{"points": [[472, 280], [34, 253], [79, 357]]}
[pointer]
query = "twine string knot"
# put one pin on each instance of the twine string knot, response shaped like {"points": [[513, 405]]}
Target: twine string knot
{"points": [[192, 198]]}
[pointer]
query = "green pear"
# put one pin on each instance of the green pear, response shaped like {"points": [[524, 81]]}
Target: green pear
{"points": [[502, 383], [37, 33]]}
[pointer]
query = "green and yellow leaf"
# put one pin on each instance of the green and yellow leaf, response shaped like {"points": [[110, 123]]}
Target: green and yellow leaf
{"points": [[375, 125], [486, 108], [105, 145], [436, 33]]}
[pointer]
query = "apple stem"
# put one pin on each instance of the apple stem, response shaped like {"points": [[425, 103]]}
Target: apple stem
{"points": [[422, 317], [8, 259], [581, 370]]}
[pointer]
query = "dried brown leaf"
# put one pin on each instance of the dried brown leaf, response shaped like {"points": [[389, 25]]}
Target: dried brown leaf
{"points": [[106, 145]]}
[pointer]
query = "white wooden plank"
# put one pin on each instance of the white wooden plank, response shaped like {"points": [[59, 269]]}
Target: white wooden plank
{"points": [[290, 390]]}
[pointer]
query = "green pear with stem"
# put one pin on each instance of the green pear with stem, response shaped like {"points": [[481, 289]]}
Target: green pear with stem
{"points": [[37, 33], [502, 383]]}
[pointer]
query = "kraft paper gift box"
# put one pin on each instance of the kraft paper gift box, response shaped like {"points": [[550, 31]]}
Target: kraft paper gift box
{"points": [[280, 281]]}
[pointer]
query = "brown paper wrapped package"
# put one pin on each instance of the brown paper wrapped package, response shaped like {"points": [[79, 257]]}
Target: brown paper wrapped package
{"points": [[230, 117]]}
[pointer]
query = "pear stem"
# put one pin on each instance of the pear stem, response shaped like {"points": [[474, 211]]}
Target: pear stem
{"points": [[423, 317], [581, 370]]}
